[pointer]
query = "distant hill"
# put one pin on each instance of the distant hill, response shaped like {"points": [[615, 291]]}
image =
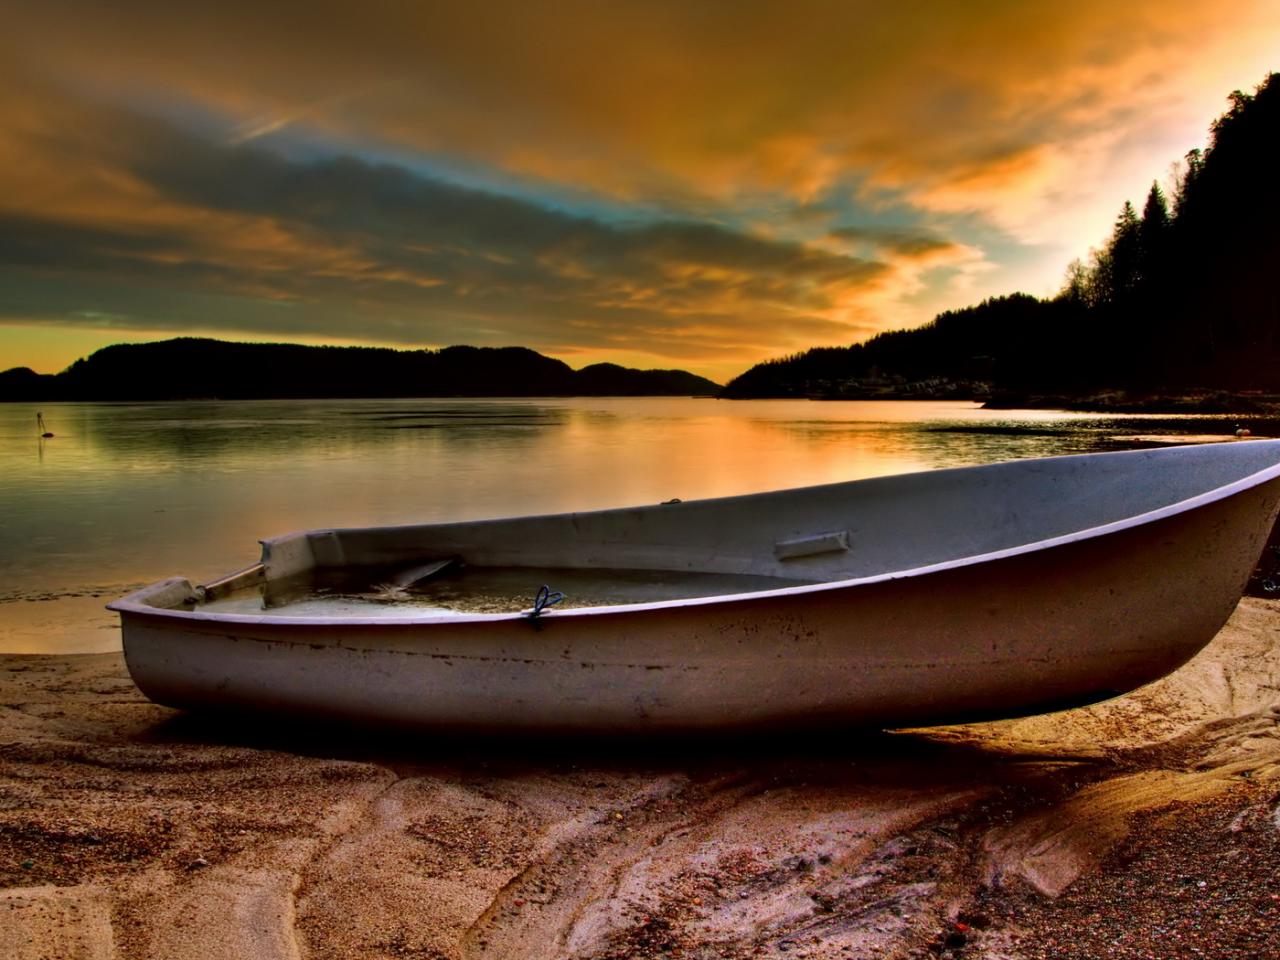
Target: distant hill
{"points": [[190, 368], [23, 383], [1182, 298]]}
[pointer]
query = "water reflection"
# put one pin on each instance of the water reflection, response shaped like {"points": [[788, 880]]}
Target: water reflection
{"points": [[198, 432], [965, 436]]}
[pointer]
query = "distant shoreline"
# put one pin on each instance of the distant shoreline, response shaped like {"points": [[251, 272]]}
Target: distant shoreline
{"points": [[1207, 402], [438, 396]]}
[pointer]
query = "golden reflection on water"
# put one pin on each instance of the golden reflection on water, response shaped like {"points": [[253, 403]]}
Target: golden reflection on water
{"points": [[129, 493]]}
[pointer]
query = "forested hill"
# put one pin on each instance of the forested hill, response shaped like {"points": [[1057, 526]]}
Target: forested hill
{"points": [[1183, 295], [197, 368]]}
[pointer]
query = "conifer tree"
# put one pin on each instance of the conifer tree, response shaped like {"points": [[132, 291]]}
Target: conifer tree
{"points": [[1153, 234], [1125, 250]]}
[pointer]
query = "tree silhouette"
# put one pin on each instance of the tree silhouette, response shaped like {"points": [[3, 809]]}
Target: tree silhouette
{"points": [[1172, 301], [1153, 234]]}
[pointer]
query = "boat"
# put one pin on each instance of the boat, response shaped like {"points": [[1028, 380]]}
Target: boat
{"points": [[926, 598]]}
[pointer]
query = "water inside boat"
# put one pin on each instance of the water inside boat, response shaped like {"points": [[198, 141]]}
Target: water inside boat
{"points": [[464, 590]]}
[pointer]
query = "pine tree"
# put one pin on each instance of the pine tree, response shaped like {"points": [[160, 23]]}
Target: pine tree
{"points": [[1125, 251], [1185, 180], [1153, 234]]}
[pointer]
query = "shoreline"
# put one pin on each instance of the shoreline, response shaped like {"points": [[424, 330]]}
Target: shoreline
{"points": [[1248, 405], [1206, 403], [1145, 826]]}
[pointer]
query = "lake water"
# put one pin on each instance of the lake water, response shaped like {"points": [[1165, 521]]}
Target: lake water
{"points": [[128, 493]]}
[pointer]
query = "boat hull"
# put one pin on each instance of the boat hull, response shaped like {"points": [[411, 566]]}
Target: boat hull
{"points": [[1075, 621]]}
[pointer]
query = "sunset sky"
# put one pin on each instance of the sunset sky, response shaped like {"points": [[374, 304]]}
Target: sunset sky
{"points": [[667, 183]]}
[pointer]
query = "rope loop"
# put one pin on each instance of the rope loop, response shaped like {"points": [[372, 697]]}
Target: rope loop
{"points": [[546, 598]]}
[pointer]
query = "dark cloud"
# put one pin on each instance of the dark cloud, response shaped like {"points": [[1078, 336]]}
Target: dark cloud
{"points": [[417, 220], [899, 242], [413, 258]]}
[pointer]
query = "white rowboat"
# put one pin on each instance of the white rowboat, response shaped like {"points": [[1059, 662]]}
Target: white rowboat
{"points": [[976, 592]]}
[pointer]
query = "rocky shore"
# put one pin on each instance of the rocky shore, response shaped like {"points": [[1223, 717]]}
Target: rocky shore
{"points": [[1146, 827], [1253, 404]]}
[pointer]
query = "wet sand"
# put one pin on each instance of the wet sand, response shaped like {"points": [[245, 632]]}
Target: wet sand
{"points": [[1148, 826]]}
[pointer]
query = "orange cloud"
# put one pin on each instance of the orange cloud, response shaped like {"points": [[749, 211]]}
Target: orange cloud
{"points": [[1034, 120], [636, 97]]}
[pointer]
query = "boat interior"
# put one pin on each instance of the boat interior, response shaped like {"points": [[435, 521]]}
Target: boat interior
{"points": [[718, 547]]}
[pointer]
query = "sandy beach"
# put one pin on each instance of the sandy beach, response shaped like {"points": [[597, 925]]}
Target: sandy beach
{"points": [[1148, 826]]}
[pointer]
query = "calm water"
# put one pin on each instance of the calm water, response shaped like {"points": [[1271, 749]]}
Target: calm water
{"points": [[128, 493]]}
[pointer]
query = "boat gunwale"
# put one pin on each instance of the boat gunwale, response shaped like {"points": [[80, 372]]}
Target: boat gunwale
{"points": [[132, 605]]}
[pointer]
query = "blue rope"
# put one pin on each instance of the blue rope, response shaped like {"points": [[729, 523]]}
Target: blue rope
{"points": [[546, 598]]}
